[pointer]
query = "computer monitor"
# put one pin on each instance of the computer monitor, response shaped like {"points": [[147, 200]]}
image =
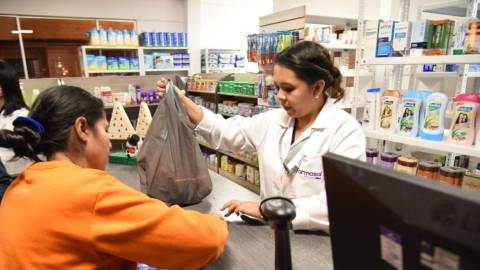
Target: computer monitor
{"points": [[383, 219]]}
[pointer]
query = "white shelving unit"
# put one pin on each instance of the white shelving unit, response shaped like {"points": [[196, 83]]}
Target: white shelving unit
{"points": [[140, 52], [237, 51], [470, 10]]}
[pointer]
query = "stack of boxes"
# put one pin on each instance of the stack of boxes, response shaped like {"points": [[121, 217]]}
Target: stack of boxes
{"points": [[223, 61]]}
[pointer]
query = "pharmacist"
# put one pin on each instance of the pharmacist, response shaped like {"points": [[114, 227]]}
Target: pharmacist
{"points": [[291, 141]]}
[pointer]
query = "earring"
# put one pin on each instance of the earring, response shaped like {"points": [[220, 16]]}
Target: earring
{"points": [[317, 96]]}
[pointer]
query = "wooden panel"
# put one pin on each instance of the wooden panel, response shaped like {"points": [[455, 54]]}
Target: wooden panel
{"points": [[68, 58], [7, 25], [56, 29], [117, 25], [284, 26], [286, 15]]}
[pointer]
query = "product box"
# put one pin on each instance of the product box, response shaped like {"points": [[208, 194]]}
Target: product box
{"points": [[163, 62], [101, 62], [134, 65], [257, 178], [472, 40], [371, 38], [112, 63], [123, 63], [439, 37], [91, 63], [326, 35], [401, 39], [148, 61], [385, 38], [471, 182], [419, 39], [459, 35], [251, 174]]}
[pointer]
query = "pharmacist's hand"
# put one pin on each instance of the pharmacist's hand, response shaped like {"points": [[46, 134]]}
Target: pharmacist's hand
{"points": [[220, 217], [161, 88], [244, 207]]}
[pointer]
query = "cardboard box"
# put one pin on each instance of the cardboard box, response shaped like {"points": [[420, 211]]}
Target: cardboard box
{"points": [[472, 39], [371, 38], [401, 39], [471, 182], [419, 39], [385, 39], [439, 37], [250, 174]]}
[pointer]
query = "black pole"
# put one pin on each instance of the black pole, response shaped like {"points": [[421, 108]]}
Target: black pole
{"points": [[282, 246]]}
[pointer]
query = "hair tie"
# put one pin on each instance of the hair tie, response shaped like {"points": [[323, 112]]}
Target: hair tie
{"points": [[30, 123]]}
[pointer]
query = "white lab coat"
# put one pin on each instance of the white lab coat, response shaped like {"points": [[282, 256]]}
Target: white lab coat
{"points": [[6, 154], [334, 130]]}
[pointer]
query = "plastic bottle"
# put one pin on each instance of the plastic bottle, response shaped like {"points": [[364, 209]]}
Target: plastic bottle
{"points": [[139, 94], [388, 112], [434, 123], [112, 37], [35, 94], [409, 114], [425, 94], [370, 113], [462, 130]]}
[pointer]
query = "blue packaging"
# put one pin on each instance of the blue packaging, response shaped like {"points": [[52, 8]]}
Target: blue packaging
{"points": [[134, 63], [168, 38], [181, 39], [177, 65], [160, 39], [101, 62], [123, 63], [186, 39], [154, 38], [186, 65], [144, 97], [148, 60], [139, 94], [91, 63], [112, 63], [146, 39], [173, 39]]}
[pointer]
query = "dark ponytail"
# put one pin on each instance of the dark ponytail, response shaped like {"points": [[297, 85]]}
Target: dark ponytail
{"points": [[56, 109], [311, 62]]}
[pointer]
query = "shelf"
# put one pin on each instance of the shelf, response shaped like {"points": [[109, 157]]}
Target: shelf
{"points": [[339, 47], [167, 70], [112, 71], [237, 95], [227, 114], [436, 74], [244, 160], [348, 106], [452, 8], [201, 92], [224, 69], [445, 59], [242, 182], [211, 166], [109, 48], [164, 48], [223, 49], [133, 106], [206, 145], [418, 142], [352, 74]]}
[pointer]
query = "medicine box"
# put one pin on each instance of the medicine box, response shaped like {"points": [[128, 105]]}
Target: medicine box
{"points": [[419, 39], [472, 40], [385, 38], [101, 62], [439, 37], [371, 37], [401, 39]]}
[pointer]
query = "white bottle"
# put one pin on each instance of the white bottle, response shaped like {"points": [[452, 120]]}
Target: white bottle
{"points": [[434, 123], [370, 110]]}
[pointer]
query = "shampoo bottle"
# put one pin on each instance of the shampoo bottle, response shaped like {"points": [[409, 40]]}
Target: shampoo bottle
{"points": [[433, 126], [421, 117], [388, 112], [463, 127], [409, 114], [370, 112]]}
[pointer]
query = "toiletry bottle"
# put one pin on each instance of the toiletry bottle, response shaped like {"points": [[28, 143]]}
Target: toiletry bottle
{"points": [[35, 94], [370, 111], [409, 114], [388, 112], [421, 117], [434, 123], [462, 130]]}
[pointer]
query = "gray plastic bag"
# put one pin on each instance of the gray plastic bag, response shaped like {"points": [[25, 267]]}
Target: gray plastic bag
{"points": [[171, 165]]}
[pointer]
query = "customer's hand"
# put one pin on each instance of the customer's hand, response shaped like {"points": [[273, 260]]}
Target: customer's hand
{"points": [[244, 207], [220, 217], [161, 88]]}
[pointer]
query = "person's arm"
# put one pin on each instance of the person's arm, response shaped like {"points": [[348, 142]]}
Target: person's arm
{"points": [[312, 212], [127, 224], [5, 180]]}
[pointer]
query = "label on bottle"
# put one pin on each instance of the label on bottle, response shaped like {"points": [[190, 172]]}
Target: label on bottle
{"points": [[407, 120], [461, 128], [432, 119], [387, 114]]}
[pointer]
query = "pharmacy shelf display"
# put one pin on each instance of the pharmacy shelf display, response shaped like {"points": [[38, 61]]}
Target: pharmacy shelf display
{"points": [[398, 62], [206, 51], [139, 52]]}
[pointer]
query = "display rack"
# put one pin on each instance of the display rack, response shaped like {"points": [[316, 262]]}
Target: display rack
{"points": [[206, 51], [140, 52], [398, 63]]}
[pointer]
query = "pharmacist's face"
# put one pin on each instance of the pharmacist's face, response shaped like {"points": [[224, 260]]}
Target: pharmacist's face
{"points": [[296, 96], [97, 148]]}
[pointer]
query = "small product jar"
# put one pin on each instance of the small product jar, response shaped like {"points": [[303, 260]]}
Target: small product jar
{"points": [[407, 165], [429, 170], [452, 175], [388, 160], [372, 156]]}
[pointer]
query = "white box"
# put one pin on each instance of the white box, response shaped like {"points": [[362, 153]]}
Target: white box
{"points": [[419, 38], [371, 36], [385, 39], [401, 39]]}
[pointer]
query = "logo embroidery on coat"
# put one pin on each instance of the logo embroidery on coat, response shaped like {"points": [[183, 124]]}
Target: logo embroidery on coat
{"points": [[311, 175]]}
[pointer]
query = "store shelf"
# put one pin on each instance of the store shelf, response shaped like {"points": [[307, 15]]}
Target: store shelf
{"points": [[436, 74], [211, 166], [224, 69], [164, 48], [445, 59], [206, 145], [133, 106], [223, 49], [244, 160], [236, 95], [202, 92], [242, 182], [112, 71], [167, 70], [109, 48], [227, 114], [349, 106], [351, 73], [473, 75], [339, 47], [418, 142], [451, 8]]}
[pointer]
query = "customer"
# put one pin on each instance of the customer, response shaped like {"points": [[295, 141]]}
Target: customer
{"points": [[69, 213], [5, 180], [12, 106], [291, 141]]}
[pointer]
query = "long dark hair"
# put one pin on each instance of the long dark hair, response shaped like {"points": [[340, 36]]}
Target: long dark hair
{"points": [[11, 88], [311, 62], [56, 109]]}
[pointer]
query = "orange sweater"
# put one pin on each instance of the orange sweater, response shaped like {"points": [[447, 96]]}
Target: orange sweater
{"points": [[57, 215]]}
